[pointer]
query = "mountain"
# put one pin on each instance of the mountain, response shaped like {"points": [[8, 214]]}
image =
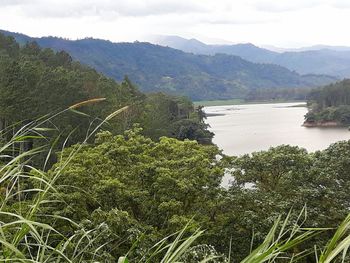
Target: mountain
{"points": [[314, 47], [158, 68], [319, 59], [307, 48], [246, 51]]}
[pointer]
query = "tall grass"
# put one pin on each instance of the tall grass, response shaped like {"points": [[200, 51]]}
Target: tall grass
{"points": [[281, 244], [23, 235], [338, 245], [277, 243]]}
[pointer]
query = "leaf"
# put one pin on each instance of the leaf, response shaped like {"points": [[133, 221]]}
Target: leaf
{"points": [[79, 112], [43, 129], [86, 102], [123, 260]]}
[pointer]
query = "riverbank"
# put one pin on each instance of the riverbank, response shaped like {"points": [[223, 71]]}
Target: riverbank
{"points": [[208, 103], [323, 124]]}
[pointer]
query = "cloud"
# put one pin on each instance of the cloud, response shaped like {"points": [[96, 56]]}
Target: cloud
{"points": [[84, 8], [238, 21], [284, 5], [340, 4], [258, 21], [5, 3]]}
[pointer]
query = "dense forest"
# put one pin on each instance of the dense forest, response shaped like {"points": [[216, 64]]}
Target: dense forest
{"points": [[36, 81], [330, 104], [200, 77]]}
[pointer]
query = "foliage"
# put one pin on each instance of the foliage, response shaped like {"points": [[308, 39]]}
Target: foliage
{"points": [[166, 115], [28, 233], [36, 81], [330, 103], [269, 183], [118, 197], [115, 196], [155, 185], [25, 237]]}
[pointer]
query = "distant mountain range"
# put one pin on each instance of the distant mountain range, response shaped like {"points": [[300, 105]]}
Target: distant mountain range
{"points": [[310, 48], [157, 68], [319, 59]]}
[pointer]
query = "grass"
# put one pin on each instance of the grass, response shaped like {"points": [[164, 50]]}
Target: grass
{"points": [[279, 245], [23, 236]]}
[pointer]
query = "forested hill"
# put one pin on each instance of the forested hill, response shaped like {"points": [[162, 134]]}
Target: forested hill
{"points": [[157, 68], [37, 81], [334, 61]]}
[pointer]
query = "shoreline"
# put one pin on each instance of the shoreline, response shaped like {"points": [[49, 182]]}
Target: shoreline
{"points": [[210, 103], [214, 114], [323, 124]]}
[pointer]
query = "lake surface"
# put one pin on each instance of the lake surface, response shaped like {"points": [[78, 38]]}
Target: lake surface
{"points": [[253, 127]]}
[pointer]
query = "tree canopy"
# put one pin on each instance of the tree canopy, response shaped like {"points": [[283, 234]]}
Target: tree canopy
{"points": [[330, 103]]}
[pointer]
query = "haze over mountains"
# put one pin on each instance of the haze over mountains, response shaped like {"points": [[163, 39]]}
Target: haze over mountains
{"points": [[318, 59], [158, 68]]}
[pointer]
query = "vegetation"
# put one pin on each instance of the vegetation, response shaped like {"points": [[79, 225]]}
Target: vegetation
{"points": [[156, 68], [35, 81], [109, 174], [118, 197], [330, 104]]}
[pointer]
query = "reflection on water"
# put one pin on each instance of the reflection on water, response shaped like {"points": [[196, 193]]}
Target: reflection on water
{"points": [[243, 129]]}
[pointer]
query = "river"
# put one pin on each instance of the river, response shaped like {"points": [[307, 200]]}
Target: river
{"points": [[241, 129]]}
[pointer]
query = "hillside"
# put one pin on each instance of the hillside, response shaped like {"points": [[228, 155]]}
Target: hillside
{"points": [[157, 68], [304, 61], [35, 81]]}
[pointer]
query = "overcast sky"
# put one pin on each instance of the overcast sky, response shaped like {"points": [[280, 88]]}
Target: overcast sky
{"points": [[282, 23]]}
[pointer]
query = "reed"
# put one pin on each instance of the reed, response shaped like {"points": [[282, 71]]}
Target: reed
{"points": [[24, 237], [86, 102]]}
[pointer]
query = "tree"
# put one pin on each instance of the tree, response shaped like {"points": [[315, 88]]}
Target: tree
{"points": [[330, 103], [161, 184]]}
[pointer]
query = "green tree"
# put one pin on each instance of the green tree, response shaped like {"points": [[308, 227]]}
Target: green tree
{"points": [[161, 184], [330, 103]]}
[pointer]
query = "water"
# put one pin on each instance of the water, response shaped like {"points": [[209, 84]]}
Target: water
{"points": [[254, 127]]}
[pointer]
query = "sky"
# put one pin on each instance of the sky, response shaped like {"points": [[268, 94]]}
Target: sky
{"points": [[281, 23]]}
